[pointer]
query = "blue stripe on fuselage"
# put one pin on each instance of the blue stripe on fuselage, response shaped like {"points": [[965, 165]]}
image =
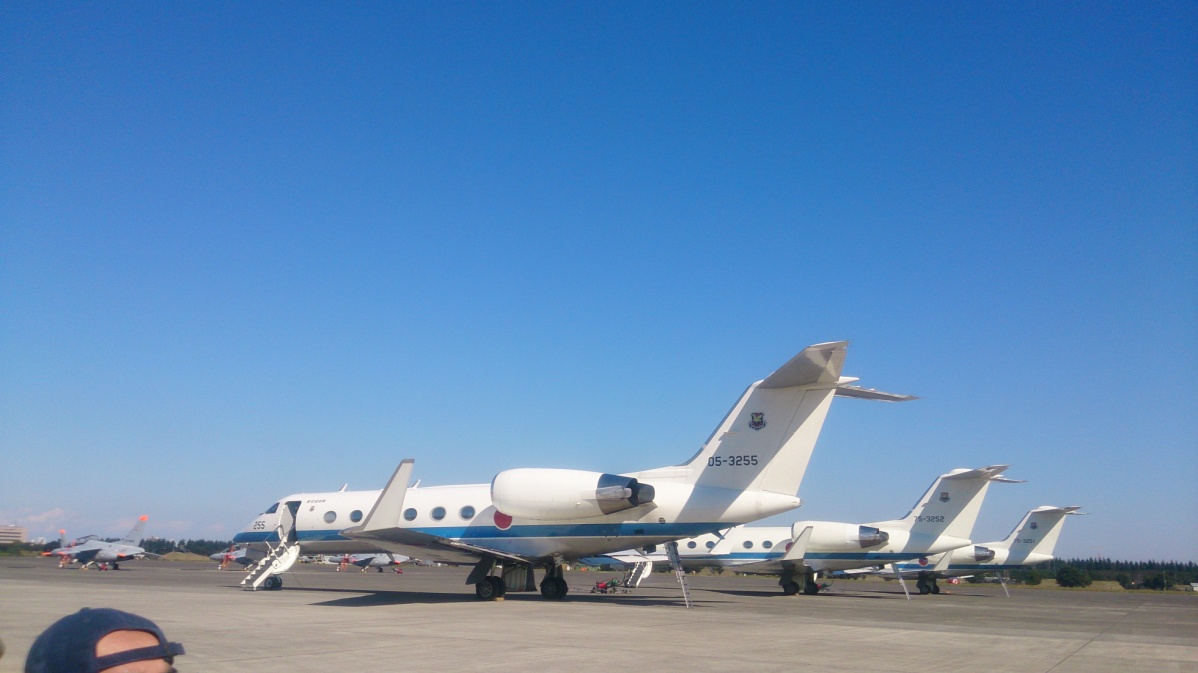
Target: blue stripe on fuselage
{"points": [[965, 566], [466, 533], [810, 556], [859, 556]]}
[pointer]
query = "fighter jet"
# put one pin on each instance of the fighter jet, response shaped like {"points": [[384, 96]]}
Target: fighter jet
{"points": [[91, 550], [368, 561]]}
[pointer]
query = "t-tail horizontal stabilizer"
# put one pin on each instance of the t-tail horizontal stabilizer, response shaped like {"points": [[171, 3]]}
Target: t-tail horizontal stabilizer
{"points": [[845, 390]]}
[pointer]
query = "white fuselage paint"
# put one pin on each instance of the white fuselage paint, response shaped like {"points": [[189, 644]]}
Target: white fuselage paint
{"points": [[464, 513], [759, 549]]}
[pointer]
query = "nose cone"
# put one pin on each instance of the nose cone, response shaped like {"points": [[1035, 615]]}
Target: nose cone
{"points": [[256, 531]]}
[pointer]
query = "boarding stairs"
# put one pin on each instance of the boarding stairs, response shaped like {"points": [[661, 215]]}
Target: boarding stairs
{"points": [[279, 558], [676, 564], [636, 574]]}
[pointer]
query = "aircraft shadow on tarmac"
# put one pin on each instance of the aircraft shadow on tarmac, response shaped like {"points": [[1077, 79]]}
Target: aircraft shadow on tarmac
{"points": [[361, 597], [823, 595], [378, 598]]}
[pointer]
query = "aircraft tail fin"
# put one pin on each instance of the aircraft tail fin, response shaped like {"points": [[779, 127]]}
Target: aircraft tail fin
{"points": [[135, 535], [951, 505], [765, 441], [1037, 532]]}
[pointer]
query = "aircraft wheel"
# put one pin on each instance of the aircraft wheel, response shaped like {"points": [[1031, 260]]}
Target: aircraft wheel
{"points": [[273, 583], [499, 586], [924, 589], [935, 588], [485, 590], [790, 588], [810, 589], [554, 588], [116, 566]]}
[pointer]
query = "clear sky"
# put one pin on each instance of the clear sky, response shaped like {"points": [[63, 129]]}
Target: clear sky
{"points": [[250, 249]]}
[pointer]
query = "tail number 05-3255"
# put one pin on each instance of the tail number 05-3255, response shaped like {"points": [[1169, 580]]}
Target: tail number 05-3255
{"points": [[731, 461]]}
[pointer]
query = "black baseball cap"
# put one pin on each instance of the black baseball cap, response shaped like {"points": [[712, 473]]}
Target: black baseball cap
{"points": [[69, 645]]}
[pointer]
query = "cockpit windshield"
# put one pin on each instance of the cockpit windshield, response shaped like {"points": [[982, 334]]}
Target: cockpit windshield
{"points": [[273, 508]]}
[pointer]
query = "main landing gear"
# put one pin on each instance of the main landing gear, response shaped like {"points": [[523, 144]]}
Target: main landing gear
{"points": [[926, 583], [516, 577], [490, 588], [790, 583], [554, 587]]}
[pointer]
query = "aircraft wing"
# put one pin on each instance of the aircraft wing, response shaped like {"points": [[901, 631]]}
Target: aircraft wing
{"points": [[766, 567], [633, 556], [428, 547], [83, 555], [381, 527]]}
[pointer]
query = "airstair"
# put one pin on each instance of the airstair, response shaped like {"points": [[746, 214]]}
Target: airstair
{"points": [[676, 564], [636, 574], [279, 558]]}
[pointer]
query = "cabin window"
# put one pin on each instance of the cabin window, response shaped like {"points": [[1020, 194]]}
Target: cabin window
{"points": [[467, 512], [355, 515], [767, 544], [710, 544], [438, 513], [330, 516], [691, 545], [409, 514], [748, 544]]}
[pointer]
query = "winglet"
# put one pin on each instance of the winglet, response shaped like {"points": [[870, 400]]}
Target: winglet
{"points": [[386, 511], [798, 549]]}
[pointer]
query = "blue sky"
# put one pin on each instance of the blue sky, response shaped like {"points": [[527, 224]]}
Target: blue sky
{"points": [[249, 249]]}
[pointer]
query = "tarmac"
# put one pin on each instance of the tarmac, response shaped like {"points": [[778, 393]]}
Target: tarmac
{"points": [[427, 619]]}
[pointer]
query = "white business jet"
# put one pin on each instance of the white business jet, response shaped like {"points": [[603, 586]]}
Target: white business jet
{"points": [[750, 468], [1030, 544], [941, 520]]}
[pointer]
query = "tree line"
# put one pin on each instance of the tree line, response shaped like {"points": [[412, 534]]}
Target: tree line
{"points": [[1076, 572], [160, 547]]}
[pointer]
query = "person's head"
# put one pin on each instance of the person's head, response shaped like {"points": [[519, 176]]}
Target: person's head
{"points": [[102, 639]]}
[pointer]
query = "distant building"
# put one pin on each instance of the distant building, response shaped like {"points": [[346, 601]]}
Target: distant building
{"points": [[11, 534]]}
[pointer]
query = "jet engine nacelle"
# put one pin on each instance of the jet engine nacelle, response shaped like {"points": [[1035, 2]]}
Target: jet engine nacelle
{"points": [[834, 536], [982, 554], [552, 495]]}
